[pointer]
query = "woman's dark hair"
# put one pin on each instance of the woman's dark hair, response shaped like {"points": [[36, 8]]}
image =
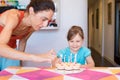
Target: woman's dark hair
{"points": [[73, 31], [40, 5]]}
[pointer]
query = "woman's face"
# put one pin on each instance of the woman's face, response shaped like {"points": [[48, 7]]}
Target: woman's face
{"points": [[41, 19], [75, 43]]}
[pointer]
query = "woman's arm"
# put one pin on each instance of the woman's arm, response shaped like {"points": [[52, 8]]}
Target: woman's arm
{"points": [[10, 21], [22, 44], [23, 41]]}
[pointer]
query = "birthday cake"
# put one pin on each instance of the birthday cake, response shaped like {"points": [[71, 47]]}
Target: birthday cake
{"points": [[67, 66]]}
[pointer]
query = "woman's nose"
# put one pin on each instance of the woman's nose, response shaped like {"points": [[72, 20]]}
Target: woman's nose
{"points": [[45, 23]]}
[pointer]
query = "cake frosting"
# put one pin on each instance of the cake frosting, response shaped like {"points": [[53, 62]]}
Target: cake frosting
{"points": [[67, 66]]}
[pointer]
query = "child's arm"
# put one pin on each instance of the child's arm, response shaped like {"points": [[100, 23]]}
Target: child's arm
{"points": [[90, 62]]}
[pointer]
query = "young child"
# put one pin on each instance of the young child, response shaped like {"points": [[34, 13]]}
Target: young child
{"points": [[76, 52]]}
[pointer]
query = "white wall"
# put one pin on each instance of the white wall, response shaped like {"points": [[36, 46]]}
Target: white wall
{"points": [[72, 12]]}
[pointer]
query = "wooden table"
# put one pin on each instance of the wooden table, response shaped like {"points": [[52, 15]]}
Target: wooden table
{"points": [[34, 73]]}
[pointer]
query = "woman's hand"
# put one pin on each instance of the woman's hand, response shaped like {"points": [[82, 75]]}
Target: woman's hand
{"points": [[51, 54], [48, 56]]}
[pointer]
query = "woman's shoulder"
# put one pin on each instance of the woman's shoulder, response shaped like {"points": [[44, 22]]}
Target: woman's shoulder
{"points": [[11, 13], [11, 16]]}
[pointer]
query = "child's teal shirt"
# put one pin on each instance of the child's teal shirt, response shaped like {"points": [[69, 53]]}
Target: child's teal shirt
{"points": [[80, 57]]}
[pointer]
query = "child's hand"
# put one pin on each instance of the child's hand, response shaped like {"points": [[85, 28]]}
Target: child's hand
{"points": [[83, 66], [59, 60]]}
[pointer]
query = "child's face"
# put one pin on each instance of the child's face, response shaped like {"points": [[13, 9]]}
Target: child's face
{"points": [[75, 43]]}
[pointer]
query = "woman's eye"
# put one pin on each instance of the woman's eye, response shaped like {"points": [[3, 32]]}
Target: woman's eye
{"points": [[44, 20]]}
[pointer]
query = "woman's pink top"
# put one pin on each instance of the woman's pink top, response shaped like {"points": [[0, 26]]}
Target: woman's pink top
{"points": [[12, 41]]}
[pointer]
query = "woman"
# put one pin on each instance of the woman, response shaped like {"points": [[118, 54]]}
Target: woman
{"points": [[15, 24]]}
